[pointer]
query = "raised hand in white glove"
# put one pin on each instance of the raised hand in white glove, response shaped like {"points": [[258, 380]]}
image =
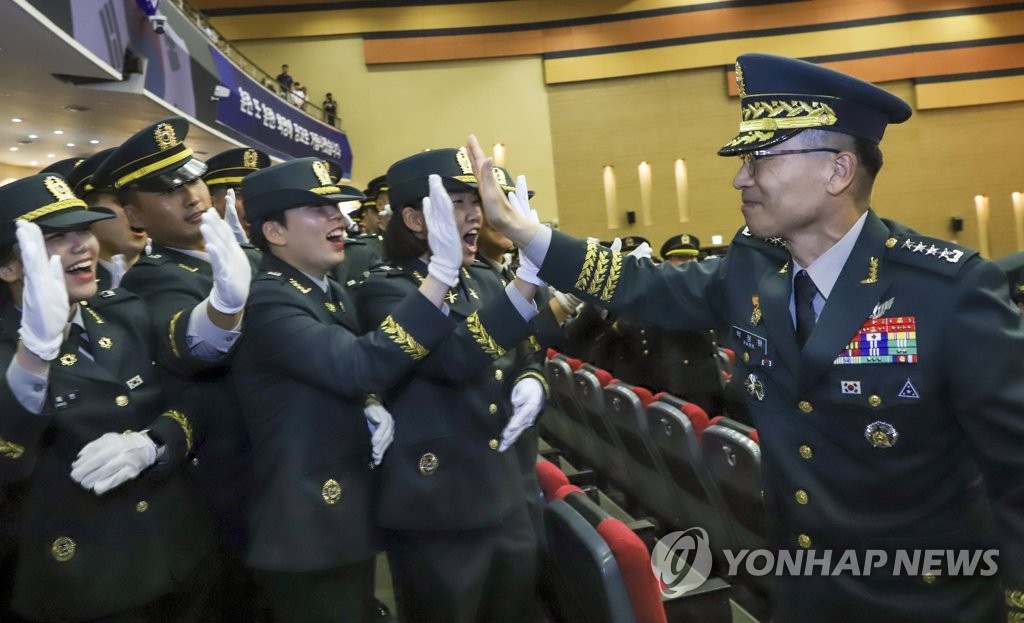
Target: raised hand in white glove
{"points": [[44, 303], [644, 250], [520, 200], [118, 267], [112, 459], [382, 429], [231, 272], [616, 244], [442, 234], [527, 402], [231, 217]]}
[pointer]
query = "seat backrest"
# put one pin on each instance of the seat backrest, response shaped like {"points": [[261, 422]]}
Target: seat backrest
{"points": [[590, 398], [734, 461], [559, 376], [625, 411], [550, 478], [589, 584], [631, 555], [673, 437]]}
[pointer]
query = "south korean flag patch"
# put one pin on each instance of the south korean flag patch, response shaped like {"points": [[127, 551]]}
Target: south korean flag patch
{"points": [[850, 387]]}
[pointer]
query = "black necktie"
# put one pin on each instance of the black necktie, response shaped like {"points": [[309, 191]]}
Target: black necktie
{"points": [[803, 293], [77, 341]]}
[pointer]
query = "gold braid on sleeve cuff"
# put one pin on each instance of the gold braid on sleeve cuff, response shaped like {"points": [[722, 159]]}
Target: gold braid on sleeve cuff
{"points": [[482, 337], [397, 334], [171, 326], [186, 426], [532, 374], [11, 450]]}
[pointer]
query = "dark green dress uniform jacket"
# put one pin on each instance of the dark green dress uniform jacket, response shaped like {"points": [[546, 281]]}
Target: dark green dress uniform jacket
{"points": [[82, 556], [173, 283], [361, 254], [871, 455], [302, 376], [444, 471]]}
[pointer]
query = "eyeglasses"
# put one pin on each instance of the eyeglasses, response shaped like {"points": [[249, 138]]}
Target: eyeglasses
{"points": [[750, 158]]}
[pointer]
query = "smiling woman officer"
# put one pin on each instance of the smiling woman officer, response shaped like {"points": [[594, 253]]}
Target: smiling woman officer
{"points": [[108, 528]]}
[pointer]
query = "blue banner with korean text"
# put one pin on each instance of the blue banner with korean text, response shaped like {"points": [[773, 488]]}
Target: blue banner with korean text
{"points": [[271, 123]]}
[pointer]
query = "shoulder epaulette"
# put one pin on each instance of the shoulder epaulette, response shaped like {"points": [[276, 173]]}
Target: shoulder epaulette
{"points": [[932, 254], [108, 298]]}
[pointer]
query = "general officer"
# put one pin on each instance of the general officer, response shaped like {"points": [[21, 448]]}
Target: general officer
{"points": [[109, 528], [882, 367], [195, 280], [460, 542], [303, 375]]}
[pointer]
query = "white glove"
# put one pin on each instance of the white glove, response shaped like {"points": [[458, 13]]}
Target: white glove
{"points": [[527, 402], [570, 304], [520, 201], [644, 250], [231, 216], [442, 234], [231, 272], [113, 459], [118, 267], [382, 429], [44, 303], [616, 244]]}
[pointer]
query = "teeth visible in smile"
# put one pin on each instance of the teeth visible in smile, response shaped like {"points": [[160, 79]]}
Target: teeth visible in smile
{"points": [[83, 265], [337, 234]]}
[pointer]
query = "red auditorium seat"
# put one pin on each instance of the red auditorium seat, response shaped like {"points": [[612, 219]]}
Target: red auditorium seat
{"points": [[581, 579], [561, 421], [734, 461], [632, 557], [550, 478], [604, 453], [625, 407]]}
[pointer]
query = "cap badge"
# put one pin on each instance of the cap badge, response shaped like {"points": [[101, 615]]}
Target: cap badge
{"points": [[250, 159], [739, 80], [58, 188], [500, 174], [165, 136], [881, 435], [684, 239], [462, 157], [322, 172]]}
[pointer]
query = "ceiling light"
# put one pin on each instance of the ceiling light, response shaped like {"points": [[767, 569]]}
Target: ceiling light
{"points": [[95, 141], [58, 131], [14, 149], [33, 136], [49, 155], [34, 163], [15, 120], [71, 144]]}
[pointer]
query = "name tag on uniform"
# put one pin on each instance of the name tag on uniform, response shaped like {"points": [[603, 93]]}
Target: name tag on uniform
{"points": [[62, 402], [134, 382], [750, 340]]}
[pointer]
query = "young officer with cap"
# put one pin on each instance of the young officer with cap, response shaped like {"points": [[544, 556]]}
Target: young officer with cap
{"points": [[109, 528], [224, 174], [680, 249], [460, 543], [365, 250], [121, 245], [196, 281], [303, 376], [882, 367]]}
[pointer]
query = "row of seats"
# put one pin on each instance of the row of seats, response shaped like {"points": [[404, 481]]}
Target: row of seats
{"points": [[669, 459], [595, 569]]}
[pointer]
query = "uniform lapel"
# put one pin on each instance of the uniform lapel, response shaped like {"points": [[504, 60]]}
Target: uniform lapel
{"points": [[345, 310], [74, 362], [862, 283], [467, 295], [774, 293]]}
